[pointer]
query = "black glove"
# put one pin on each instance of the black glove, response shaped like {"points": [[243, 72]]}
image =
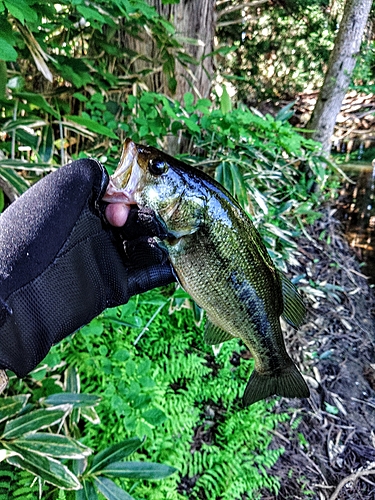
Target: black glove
{"points": [[61, 263]]}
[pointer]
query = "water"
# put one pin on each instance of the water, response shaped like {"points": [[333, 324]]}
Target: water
{"points": [[357, 211]]}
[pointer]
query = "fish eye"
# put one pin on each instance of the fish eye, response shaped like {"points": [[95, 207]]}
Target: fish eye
{"points": [[157, 166]]}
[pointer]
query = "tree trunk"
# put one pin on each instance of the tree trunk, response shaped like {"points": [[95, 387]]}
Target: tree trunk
{"points": [[340, 68], [194, 19]]}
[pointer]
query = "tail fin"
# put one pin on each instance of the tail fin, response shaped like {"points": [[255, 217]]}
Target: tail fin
{"points": [[289, 383]]}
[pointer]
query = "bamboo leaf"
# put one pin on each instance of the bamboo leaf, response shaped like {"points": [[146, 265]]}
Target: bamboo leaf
{"points": [[36, 50], [31, 422], [115, 453], [138, 470], [24, 165], [72, 380], [45, 467], [92, 125], [5, 454], [15, 180], [53, 445], [90, 414], [110, 490], [37, 100], [71, 398], [78, 129], [12, 405], [285, 113], [88, 492], [22, 123]]}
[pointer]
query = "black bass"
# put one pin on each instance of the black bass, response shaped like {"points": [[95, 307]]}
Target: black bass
{"points": [[220, 260]]}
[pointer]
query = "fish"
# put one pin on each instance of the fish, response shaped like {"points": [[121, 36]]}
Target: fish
{"points": [[220, 260]]}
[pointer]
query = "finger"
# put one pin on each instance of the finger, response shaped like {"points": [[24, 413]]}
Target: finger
{"points": [[117, 214], [141, 280]]}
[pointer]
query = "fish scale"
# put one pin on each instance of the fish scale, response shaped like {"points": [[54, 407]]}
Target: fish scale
{"points": [[220, 260]]}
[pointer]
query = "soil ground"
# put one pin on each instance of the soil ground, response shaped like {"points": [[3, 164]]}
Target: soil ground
{"points": [[330, 441]]}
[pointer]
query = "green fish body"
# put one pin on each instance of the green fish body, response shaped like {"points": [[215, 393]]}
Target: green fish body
{"points": [[220, 260]]}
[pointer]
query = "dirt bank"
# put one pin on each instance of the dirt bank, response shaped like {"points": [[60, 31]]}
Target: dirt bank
{"points": [[330, 446]]}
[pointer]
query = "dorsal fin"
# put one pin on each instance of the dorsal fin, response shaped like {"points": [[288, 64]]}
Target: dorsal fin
{"points": [[294, 309], [214, 334]]}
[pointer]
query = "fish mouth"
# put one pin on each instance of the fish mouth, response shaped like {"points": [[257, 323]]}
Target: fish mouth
{"points": [[124, 181]]}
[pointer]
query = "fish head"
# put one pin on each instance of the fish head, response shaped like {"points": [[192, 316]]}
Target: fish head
{"points": [[149, 178]]}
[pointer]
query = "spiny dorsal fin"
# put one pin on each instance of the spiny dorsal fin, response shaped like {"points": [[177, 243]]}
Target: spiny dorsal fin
{"points": [[215, 335], [294, 308]]}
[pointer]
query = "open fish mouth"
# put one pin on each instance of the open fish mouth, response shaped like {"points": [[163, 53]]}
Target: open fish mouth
{"points": [[123, 183]]}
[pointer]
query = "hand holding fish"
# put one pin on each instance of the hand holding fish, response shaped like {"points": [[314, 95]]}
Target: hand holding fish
{"points": [[219, 259], [62, 263]]}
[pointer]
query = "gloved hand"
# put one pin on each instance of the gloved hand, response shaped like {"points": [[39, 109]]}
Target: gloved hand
{"points": [[61, 263]]}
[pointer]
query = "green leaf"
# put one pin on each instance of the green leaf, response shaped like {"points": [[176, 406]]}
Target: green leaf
{"points": [[225, 102], [31, 422], [15, 180], [285, 113], [223, 51], [130, 368], [21, 10], [110, 490], [90, 414], [37, 100], [53, 445], [25, 165], [12, 405], [91, 14], [138, 470], [154, 416], [88, 492], [5, 454], [45, 467], [7, 52], [121, 355], [92, 125], [115, 453], [24, 123], [189, 100], [72, 380], [77, 400]]}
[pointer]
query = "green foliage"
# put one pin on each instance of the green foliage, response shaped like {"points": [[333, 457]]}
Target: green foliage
{"points": [[31, 439], [17, 484], [170, 388], [276, 47], [364, 71], [71, 35]]}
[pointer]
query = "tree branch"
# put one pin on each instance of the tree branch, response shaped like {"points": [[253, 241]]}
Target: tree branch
{"points": [[352, 477]]}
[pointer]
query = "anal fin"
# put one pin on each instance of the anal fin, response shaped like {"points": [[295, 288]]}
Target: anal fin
{"points": [[215, 335], [294, 309]]}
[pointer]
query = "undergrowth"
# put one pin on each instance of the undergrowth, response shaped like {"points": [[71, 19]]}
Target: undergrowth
{"points": [[170, 388]]}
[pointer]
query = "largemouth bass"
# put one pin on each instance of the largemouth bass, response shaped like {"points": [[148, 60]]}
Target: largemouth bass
{"points": [[220, 260]]}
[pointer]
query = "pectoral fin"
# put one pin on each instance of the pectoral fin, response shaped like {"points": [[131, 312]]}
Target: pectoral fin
{"points": [[294, 309], [215, 335]]}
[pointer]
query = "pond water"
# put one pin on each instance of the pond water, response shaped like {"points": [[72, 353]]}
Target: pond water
{"points": [[357, 211]]}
